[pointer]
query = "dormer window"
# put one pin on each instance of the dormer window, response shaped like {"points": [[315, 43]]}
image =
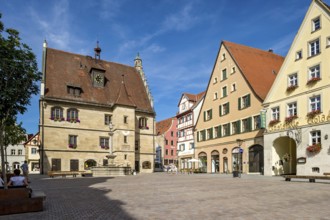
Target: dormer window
{"points": [[74, 90]]}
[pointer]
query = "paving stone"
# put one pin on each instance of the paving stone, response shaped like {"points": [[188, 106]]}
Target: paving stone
{"points": [[170, 196]]}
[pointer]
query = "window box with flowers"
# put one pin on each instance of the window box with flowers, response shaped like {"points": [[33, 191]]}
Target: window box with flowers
{"points": [[104, 147], [56, 118], [313, 80], [273, 122], [291, 88], [313, 113], [73, 120], [315, 148], [74, 146], [144, 127], [290, 118]]}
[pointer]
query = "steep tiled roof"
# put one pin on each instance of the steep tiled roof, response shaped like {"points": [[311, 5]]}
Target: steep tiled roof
{"points": [[193, 97], [163, 126], [64, 68], [258, 67]]}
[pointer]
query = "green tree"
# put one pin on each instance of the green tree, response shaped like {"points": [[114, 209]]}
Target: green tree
{"points": [[19, 78]]}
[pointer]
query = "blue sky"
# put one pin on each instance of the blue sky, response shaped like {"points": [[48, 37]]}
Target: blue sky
{"points": [[178, 40]]}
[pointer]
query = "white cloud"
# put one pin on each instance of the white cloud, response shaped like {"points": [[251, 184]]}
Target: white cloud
{"points": [[110, 8], [181, 21]]}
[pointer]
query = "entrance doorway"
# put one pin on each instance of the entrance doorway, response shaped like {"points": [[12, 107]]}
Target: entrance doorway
{"points": [[237, 160], [284, 156], [74, 165], [256, 159], [203, 159], [56, 164], [215, 161]]}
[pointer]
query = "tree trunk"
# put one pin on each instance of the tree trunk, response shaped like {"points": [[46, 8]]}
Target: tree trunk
{"points": [[3, 166]]}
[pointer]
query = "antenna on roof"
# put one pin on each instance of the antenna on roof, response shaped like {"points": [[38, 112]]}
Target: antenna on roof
{"points": [[97, 50]]}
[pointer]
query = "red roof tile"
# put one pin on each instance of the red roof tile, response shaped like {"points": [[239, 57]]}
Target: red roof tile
{"points": [[259, 67], [163, 126], [64, 68]]}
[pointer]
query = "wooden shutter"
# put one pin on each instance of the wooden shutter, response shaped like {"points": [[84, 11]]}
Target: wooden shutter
{"points": [[239, 103], [211, 133], [204, 115], [210, 114], [248, 100], [238, 124], [228, 131], [220, 110], [228, 108], [197, 136], [219, 131], [249, 124]]}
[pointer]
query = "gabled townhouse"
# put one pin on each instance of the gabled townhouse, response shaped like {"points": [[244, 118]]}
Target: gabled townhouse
{"points": [[189, 108], [94, 113], [167, 140], [32, 155], [297, 107], [228, 130], [14, 155]]}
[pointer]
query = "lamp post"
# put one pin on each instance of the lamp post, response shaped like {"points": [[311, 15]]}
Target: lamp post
{"points": [[238, 155]]}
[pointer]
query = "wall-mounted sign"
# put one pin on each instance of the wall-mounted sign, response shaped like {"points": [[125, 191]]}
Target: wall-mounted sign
{"points": [[301, 160]]}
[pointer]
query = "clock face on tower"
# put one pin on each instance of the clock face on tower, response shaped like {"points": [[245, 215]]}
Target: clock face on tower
{"points": [[98, 78]]}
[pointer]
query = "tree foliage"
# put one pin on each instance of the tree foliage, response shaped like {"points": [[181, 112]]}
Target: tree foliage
{"points": [[19, 77]]}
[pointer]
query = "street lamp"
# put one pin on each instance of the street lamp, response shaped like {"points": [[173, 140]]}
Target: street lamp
{"points": [[238, 154]]}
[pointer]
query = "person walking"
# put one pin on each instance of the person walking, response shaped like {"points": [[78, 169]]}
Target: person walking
{"points": [[25, 169]]}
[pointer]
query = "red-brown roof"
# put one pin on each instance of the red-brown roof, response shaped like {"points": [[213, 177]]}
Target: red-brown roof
{"points": [[163, 126], [259, 67], [123, 84]]}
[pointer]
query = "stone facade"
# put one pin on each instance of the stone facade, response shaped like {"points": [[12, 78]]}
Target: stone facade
{"points": [[90, 109]]}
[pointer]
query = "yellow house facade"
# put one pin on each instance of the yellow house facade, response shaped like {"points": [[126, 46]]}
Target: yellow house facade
{"points": [[94, 113], [228, 130], [297, 107]]}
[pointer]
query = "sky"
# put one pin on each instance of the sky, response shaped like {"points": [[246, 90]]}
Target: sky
{"points": [[178, 40]]}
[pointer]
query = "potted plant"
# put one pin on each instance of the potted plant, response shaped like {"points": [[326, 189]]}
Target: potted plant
{"points": [[290, 118], [313, 80], [291, 88], [273, 122], [315, 148], [313, 113]]}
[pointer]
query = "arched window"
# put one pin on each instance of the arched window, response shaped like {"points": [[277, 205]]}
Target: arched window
{"points": [[143, 123], [72, 115], [146, 165], [89, 163], [57, 114]]}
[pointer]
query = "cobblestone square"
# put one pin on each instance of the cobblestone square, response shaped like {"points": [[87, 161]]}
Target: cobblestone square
{"points": [[171, 196]]}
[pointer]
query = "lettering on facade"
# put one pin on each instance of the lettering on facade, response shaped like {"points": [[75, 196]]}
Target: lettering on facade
{"points": [[318, 119], [321, 118]]}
